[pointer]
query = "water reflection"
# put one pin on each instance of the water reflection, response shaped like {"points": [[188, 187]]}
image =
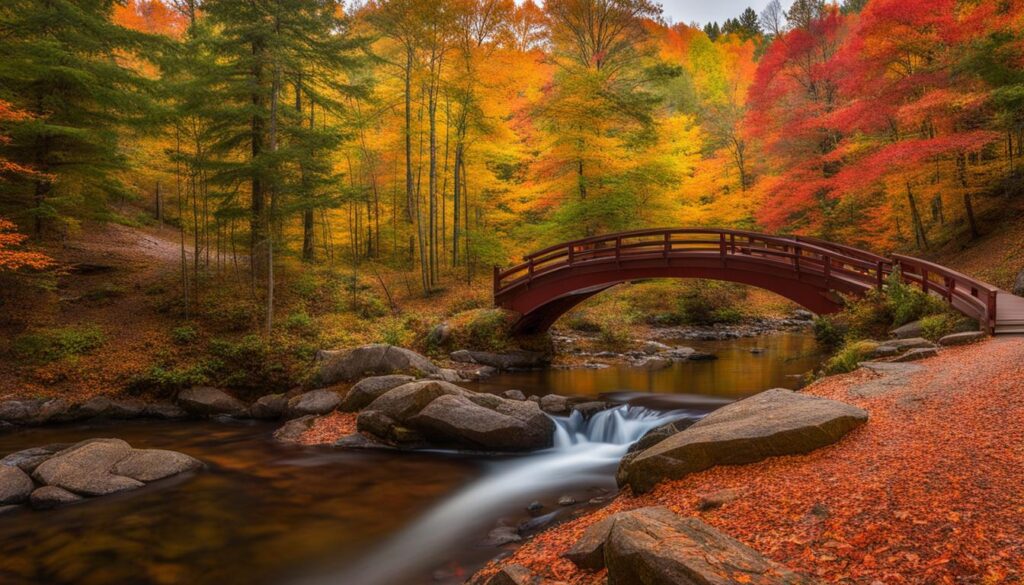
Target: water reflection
{"points": [[738, 371]]}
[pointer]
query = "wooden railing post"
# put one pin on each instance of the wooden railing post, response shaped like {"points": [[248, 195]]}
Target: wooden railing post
{"points": [[497, 279], [618, 249], [990, 318], [572, 250], [732, 243], [721, 245], [924, 280], [668, 243], [880, 275]]}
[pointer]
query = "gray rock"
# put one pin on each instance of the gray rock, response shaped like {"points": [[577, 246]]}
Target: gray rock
{"points": [[653, 347], [206, 401], [104, 407], [566, 500], [513, 360], [653, 363], [589, 409], [164, 410], [28, 459], [85, 468], [448, 375], [148, 465], [370, 360], [320, 401], [916, 354], [773, 423], [884, 351], [654, 546], [360, 441], [369, 389], [439, 335], [502, 535], [407, 400], [376, 423], [269, 407], [912, 330], [15, 485], [33, 412], [961, 338], [292, 430], [509, 575], [507, 425], [50, 496], [534, 506], [514, 395], [554, 404], [910, 343], [802, 315]]}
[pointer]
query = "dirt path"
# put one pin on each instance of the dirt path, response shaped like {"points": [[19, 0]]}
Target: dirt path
{"points": [[929, 491], [120, 279]]}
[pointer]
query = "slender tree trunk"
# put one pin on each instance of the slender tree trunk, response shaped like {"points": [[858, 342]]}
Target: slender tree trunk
{"points": [[920, 237], [408, 143], [257, 204]]}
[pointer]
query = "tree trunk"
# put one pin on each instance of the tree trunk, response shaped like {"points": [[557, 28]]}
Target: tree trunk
{"points": [[257, 203], [920, 237]]}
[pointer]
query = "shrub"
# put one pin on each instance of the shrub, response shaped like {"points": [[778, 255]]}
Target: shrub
{"points": [[848, 358], [614, 335], [54, 344], [162, 381], [582, 321], [906, 303], [105, 293], [934, 327], [706, 302], [300, 322], [488, 329], [830, 331], [249, 363], [184, 335], [393, 332]]}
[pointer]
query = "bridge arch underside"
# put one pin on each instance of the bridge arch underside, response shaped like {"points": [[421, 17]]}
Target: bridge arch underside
{"points": [[551, 295]]}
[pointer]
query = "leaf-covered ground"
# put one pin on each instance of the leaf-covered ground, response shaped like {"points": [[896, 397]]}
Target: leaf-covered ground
{"points": [[930, 490]]}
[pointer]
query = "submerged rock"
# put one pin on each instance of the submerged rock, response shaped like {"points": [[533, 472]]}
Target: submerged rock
{"points": [[86, 468], [513, 360], [50, 496], [369, 360], [152, 464], [654, 546], [292, 430], [772, 423], [269, 407]]}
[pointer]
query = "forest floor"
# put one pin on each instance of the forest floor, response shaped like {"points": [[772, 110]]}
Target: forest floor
{"points": [[928, 491]]}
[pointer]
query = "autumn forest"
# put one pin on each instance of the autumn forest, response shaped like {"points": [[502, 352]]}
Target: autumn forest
{"points": [[329, 277]]}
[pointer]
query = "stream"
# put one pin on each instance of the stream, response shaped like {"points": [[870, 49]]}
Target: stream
{"points": [[265, 513]]}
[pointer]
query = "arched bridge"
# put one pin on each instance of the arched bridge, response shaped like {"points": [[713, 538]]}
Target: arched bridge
{"points": [[811, 272]]}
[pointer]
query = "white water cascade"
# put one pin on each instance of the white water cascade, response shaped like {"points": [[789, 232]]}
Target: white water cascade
{"points": [[585, 454]]}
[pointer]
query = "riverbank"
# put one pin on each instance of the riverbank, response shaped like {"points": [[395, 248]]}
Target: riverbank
{"points": [[927, 492]]}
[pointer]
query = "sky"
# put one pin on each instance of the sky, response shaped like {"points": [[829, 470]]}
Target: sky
{"points": [[703, 11]]}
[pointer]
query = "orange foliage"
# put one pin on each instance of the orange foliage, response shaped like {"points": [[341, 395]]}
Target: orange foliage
{"points": [[11, 257]]}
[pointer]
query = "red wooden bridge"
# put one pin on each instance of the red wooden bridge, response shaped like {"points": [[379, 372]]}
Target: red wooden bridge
{"points": [[811, 272]]}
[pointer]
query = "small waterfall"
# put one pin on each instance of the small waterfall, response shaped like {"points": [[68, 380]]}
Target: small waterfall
{"points": [[585, 454]]}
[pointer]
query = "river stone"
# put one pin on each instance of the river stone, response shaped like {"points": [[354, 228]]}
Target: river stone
{"points": [[102, 406], [912, 330], [164, 410], [293, 430], [961, 338], [654, 546], [375, 423], [34, 411], [269, 407], [28, 459], [589, 409], [368, 360], [50, 496], [773, 423], [513, 360], [320, 401], [506, 426], [909, 343], [916, 354], [514, 395], [15, 485], [369, 389], [207, 401], [407, 400], [153, 464], [554, 404], [85, 468]]}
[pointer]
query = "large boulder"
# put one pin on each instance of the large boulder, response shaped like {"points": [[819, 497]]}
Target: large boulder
{"points": [[369, 360], [28, 459], [405, 401], [498, 424], [512, 360], [369, 389], [773, 423], [320, 401], [34, 411], [15, 485], [206, 401], [104, 407], [152, 464], [654, 546], [85, 468], [911, 330], [269, 407]]}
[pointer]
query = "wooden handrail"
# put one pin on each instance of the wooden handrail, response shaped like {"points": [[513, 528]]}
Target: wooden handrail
{"points": [[804, 254]]}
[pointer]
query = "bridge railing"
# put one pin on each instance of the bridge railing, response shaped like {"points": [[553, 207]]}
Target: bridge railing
{"points": [[804, 255], [801, 256], [966, 294]]}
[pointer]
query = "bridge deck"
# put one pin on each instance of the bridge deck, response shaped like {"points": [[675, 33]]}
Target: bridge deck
{"points": [[1009, 313]]}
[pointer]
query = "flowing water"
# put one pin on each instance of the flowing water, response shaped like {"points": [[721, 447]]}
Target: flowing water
{"points": [[264, 513]]}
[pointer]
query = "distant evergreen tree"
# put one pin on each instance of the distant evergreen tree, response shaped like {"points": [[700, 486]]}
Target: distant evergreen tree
{"points": [[64, 63], [853, 6], [712, 30], [802, 12], [749, 24]]}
